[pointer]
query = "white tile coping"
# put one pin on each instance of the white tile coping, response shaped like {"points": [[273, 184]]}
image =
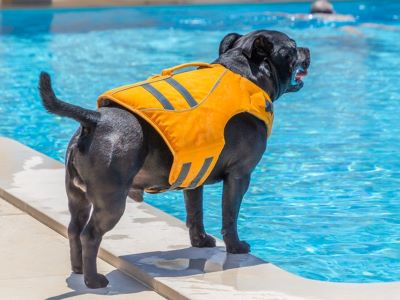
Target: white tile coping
{"points": [[153, 247]]}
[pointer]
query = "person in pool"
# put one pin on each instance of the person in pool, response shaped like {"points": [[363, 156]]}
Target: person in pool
{"points": [[322, 7], [321, 10]]}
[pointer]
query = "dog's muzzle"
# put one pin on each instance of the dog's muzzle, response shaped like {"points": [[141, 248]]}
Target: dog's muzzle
{"points": [[301, 69]]}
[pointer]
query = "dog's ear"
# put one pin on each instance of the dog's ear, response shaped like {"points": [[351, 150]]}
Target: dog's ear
{"points": [[227, 42], [259, 45]]}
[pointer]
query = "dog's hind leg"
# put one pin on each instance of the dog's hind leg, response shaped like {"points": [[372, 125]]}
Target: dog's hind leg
{"points": [[194, 218], [107, 190], [79, 208], [105, 158], [104, 217]]}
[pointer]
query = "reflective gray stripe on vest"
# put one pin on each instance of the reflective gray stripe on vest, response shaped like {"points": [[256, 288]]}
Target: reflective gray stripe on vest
{"points": [[160, 97], [182, 175], [203, 170], [182, 90]]}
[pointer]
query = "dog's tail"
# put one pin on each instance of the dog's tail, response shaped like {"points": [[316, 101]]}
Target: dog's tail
{"points": [[87, 118]]}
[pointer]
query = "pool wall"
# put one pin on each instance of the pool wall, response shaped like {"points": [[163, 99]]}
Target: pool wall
{"points": [[93, 3], [164, 259]]}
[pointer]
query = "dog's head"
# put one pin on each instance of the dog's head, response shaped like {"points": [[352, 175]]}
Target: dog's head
{"points": [[270, 59]]}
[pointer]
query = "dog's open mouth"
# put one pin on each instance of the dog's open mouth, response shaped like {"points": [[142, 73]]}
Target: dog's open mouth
{"points": [[300, 73], [297, 76], [296, 82]]}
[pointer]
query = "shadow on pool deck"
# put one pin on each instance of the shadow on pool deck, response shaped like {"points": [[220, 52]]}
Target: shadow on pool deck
{"points": [[175, 263], [190, 261], [117, 286]]}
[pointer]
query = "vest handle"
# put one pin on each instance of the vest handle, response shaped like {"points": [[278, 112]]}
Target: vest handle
{"points": [[169, 71]]}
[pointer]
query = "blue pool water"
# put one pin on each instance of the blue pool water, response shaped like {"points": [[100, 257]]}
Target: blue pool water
{"points": [[324, 202]]}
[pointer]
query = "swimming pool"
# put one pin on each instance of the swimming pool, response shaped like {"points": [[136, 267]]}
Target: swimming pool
{"points": [[324, 202]]}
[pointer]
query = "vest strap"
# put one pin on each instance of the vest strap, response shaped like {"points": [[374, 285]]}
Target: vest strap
{"points": [[169, 71]]}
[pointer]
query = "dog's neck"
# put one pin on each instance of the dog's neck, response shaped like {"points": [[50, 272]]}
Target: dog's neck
{"points": [[262, 75]]}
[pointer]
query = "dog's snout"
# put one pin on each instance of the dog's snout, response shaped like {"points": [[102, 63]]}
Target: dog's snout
{"points": [[306, 63], [305, 57]]}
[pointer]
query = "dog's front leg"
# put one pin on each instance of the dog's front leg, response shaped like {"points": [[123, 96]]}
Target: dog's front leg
{"points": [[194, 218], [235, 187]]}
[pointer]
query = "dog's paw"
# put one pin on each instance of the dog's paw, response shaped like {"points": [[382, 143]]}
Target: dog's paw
{"points": [[241, 247], [203, 241], [96, 282]]}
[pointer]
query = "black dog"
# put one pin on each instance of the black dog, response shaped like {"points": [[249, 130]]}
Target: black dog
{"points": [[114, 152]]}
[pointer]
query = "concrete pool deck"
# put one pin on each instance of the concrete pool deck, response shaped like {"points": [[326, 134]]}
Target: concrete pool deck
{"points": [[34, 265], [153, 247]]}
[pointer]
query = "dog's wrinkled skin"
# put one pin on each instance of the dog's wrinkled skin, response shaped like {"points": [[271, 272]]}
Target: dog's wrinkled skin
{"points": [[114, 153]]}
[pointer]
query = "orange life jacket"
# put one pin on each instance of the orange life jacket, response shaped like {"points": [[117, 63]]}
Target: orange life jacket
{"points": [[190, 111]]}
